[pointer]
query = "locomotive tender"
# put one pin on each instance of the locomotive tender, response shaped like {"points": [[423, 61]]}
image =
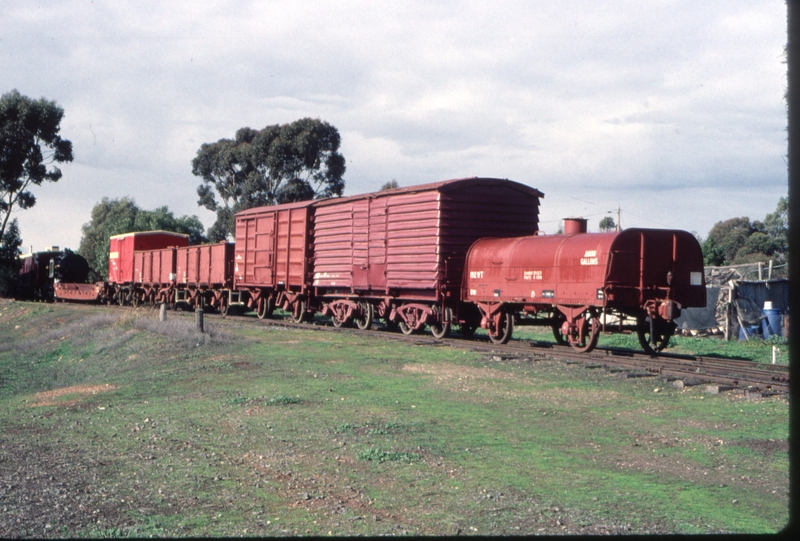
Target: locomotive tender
{"points": [[464, 252], [40, 272]]}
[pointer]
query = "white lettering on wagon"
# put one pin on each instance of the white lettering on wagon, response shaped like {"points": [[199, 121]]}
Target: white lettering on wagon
{"points": [[589, 257], [476, 274], [325, 276], [532, 275]]}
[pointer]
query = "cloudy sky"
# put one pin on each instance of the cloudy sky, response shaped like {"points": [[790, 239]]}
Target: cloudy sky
{"points": [[672, 111]]}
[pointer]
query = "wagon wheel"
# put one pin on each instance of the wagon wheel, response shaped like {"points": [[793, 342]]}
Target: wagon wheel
{"points": [[299, 313], [558, 320], [121, 297], [658, 339], [340, 318], [442, 329], [505, 329], [365, 321], [224, 306], [135, 300], [410, 327], [265, 307], [405, 329], [589, 342]]}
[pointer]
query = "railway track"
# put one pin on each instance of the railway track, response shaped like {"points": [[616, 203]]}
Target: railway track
{"points": [[719, 373]]}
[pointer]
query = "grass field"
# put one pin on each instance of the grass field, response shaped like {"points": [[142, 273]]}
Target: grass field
{"points": [[113, 425]]}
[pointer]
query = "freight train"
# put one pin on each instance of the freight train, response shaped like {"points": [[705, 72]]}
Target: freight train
{"points": [[463, 253]]}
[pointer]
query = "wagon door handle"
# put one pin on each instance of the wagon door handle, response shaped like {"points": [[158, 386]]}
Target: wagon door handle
{"points": [[497, 262]]}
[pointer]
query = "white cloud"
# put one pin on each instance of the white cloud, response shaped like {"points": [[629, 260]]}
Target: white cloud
{"points": [[649, 103]]}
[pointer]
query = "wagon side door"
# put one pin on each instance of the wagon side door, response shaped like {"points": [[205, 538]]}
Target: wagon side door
{"points": [[376, 245], [359, 242], [258, 252]]}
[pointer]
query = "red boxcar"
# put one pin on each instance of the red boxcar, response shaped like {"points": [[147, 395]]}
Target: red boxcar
{"points": [[401, 252], [398, 252], [123, 246], [647, 274], [273, 246]]}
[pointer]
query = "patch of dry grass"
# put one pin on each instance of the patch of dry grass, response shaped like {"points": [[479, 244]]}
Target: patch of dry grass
{"points": [[48, 398]]}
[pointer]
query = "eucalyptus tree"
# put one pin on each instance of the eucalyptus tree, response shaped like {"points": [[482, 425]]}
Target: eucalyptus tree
{"points": [[29, 142], [114, 216], [277, 164], [10, 243], [607, 224]]}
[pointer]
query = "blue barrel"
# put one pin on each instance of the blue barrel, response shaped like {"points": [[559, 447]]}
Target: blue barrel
{"points": [[772, 323], [752, 332]]}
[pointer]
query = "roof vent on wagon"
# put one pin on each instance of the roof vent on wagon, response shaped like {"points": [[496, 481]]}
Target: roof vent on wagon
{"points": [[575, 225]]}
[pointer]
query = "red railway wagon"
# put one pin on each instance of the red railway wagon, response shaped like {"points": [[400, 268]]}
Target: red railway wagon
{"points": [[396, 254], [122, 248], [583, 281], [204, 275], [399, 254], [123, 281], [154, 275], [272, 262], [154, 266]]}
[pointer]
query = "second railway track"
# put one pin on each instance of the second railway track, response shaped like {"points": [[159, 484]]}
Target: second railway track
{"points": [[728, 373]]}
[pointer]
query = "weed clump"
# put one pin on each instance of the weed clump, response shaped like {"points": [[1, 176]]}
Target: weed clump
{"points": [[277, 401], [182, 331], [281, 400], [376, 454], [80, 332]]}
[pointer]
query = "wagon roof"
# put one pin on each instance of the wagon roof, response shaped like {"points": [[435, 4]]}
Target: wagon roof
{"points": [[261, 209], [29, 254], [144, 233], [442, 186]]}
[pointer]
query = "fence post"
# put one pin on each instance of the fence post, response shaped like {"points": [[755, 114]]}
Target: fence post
{"points": [[198, 317], [162, 316]]}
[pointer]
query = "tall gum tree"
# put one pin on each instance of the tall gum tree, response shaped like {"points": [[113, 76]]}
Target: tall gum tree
{"points": [[115, 216], [29, 142], [278, 164]]}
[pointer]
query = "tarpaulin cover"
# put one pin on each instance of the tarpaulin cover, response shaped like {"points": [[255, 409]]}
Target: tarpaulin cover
{"points": [[701, 318]]}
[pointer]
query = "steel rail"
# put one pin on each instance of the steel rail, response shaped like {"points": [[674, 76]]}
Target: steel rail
{"points": [[730, 373], [740, 374]]}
